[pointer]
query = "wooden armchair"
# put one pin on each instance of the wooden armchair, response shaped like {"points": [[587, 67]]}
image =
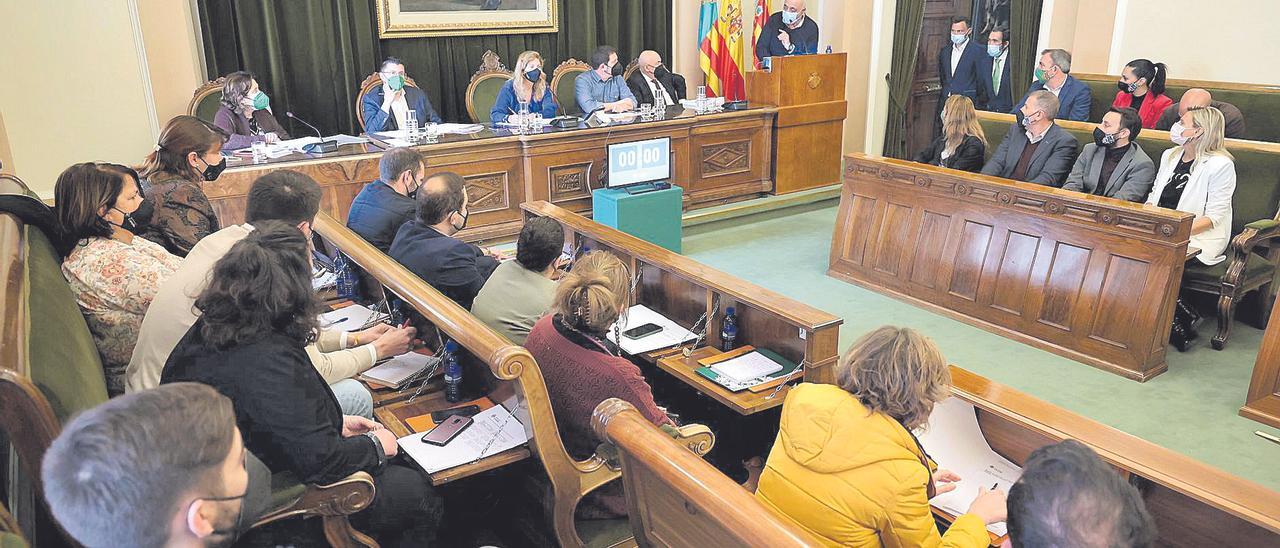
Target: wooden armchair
{"points": [[677, 499], [630, 69], [562, 85], [206, 99], [485, 84], [370, 82], [50, 370]]}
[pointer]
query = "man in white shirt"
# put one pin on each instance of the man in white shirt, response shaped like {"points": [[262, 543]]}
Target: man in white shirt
{"points": [[960, 62], [654, 79]]}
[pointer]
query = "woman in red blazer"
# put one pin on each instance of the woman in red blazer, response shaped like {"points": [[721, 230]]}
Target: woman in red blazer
{"points": [[1142, 88]]}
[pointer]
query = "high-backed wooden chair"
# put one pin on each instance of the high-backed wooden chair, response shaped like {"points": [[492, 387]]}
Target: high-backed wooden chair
{"points": [[485, 84], [206, 99], [370, 82], [630, 69], [676, 499], [50, 370], [10, 533], [562, 85]]}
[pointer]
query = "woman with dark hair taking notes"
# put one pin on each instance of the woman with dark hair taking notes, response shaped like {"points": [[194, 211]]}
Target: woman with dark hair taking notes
{"points": [[189, 153], [962, 145], [1142, 89], [258, 313], [113, 275], [245, 113]]}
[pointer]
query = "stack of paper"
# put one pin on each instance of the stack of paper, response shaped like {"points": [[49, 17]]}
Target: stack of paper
{"points": [[322, 278], [956, 443], [671, 335], [493, 431], [351, 318], [747, 367], [399, 369]]}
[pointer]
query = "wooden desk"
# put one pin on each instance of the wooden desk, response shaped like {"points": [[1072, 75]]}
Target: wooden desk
{"points": [[1193, 504], [684, 289], [1093, 279], [717, 158], [1262, 404]]}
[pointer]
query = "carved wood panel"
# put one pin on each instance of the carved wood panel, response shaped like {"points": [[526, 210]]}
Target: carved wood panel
{"points": [[1047, 267], [570, 182], [726, 158], [487, 192]]}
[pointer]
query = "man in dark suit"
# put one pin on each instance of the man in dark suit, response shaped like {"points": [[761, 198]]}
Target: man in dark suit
{"points": [[426, 246], [1035, 149], [788, 32], [960, 63], [1114, 165], [1053, 75], [386, 106], [653, 78], [993, 80], [1195, 98], [384, 205]]}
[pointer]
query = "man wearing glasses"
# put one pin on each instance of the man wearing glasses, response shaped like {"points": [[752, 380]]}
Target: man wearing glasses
{"points": [[387, 106]]}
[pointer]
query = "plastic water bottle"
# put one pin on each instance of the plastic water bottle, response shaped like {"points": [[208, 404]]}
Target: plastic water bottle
{"points": [[701, 100], [411, 126], [828, 50], [346, 277], [452, 373], [729, 330]]}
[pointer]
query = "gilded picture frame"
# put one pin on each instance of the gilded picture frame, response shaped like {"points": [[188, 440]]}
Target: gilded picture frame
{"points": [[427, 18]]}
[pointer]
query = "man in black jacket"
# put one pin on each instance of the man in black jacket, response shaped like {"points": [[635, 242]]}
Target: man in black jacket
{"points": [[383, 205], [426, 246], [653, 78]]}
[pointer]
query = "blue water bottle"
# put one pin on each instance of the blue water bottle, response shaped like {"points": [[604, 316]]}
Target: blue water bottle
{"points": [[346, 277], [452, 373], [729, 330]]}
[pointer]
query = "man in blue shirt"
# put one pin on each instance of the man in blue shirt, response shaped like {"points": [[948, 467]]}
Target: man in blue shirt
{"points": [[383, 205], [602, 88]]}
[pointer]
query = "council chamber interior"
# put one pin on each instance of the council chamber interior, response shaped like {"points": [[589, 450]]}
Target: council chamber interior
{"points": [[639, 273]]}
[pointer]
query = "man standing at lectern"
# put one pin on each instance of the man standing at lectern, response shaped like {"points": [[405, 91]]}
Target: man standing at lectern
{"points": [[788, 32]]}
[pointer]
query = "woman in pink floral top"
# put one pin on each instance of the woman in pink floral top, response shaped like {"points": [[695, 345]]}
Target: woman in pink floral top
{"points": [[112, 274]]}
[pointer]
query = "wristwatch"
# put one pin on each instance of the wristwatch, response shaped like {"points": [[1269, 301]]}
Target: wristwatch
{"points": [[377, 444]]}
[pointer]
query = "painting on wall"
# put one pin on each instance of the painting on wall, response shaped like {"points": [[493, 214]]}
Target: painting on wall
{"points": [[417, 18]]}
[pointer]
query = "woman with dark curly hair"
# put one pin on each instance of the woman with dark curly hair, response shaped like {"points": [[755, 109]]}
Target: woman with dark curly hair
{"points": [[245, 113], [258, 313]]}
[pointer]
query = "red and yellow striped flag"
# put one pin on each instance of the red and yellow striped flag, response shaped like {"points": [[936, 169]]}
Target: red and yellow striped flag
{"points": [[762, 16]]}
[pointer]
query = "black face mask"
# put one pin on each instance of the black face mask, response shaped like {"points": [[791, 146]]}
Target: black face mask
{"points": [[617, 69], [1104, 139], [661, 71], [533, 75], [129, 223], [1127, 88], [464, 221], [211, 172]]}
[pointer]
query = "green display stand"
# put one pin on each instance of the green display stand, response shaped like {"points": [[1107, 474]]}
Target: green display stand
{"points": [[651, 216]]}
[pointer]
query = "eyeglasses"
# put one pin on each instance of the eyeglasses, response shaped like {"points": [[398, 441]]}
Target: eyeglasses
{"points": [[396, 73]]}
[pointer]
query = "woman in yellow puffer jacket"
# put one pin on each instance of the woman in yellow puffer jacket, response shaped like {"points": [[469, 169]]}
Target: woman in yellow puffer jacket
{"points": [[846, 466]]}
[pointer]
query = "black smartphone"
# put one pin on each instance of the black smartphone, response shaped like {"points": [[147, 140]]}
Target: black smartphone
{"points": [[466, 411], [641, 331], [444, 432]]}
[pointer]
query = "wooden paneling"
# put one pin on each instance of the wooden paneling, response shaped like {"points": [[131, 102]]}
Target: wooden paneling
{"points": [[1090, 278], [1194, 505], [1263, 401], [809, 91], [717, 158]]}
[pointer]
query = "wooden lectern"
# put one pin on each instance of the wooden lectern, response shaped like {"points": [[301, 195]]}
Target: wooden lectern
{"points": [[808, 133]]}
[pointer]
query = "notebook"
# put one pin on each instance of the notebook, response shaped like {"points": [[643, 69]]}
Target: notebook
{"points": [[394, 372], [747, 367], [351, 318]]}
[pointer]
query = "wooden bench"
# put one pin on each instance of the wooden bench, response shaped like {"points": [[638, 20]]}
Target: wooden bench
{"points": [[1193, 504], [510, 371], [1253, 256], [50, 370], [1259, 103], [684, 290], [677, 499]]}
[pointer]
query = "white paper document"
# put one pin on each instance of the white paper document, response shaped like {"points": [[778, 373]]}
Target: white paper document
{"points": [[956, 443], [321, 279], [672, 334], [350, 318], [493, 431], [713, 102], [459, 129], [747, 367], [395, 371], [344, 139]]}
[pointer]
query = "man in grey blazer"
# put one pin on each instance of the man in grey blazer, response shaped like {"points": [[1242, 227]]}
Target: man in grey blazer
{"points": [[1035, 149], [1114, 165]]}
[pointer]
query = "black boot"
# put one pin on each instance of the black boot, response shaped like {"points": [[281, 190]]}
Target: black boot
{"points": [[1179, 338]]}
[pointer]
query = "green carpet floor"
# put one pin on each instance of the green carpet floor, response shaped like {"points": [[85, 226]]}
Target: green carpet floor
{"points": [[1190, 409]]}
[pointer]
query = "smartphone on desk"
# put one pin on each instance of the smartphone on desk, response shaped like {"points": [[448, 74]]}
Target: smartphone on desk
{"points": [[444, 432], [642, 331]]}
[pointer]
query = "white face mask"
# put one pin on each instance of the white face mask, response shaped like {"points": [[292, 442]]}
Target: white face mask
{"points": [[1175, 134], [790, 17]]}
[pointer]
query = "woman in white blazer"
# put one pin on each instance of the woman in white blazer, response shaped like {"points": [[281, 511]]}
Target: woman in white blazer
{"points": [[1199, 176]]}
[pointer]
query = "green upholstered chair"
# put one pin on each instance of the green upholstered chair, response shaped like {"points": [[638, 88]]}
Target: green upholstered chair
{"points": [[562, 85], [206, 100], [50, 370], [485, 84], [1253, 256], [1259, 103]]}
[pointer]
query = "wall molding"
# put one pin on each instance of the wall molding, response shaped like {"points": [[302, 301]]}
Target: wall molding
{"points": [[1114, 62], [144, 67]]}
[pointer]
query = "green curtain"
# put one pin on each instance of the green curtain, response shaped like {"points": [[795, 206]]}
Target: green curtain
{"points": [[1024, 25], [906, 43], [310, 56]]}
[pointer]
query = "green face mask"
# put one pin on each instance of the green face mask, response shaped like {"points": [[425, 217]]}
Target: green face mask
{"points": [[261, 101], [395, 82], [1040, 75]]}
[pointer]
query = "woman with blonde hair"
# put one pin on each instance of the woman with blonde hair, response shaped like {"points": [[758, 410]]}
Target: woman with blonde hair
{"points": [[962, 145], [582, 367], [846, 466], [528, 85], [1198, 176]]}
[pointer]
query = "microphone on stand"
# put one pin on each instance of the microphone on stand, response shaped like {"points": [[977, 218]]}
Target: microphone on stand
{"points": [[315, 148]]}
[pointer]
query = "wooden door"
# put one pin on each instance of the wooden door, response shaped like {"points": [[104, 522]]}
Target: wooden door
{"points": [[922, 106]]}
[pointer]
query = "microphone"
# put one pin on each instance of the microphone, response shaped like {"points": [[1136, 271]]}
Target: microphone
{"points": [[315, 148]]}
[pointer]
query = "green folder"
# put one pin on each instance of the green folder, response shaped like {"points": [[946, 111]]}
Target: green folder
{"points": [[788, 367]]}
